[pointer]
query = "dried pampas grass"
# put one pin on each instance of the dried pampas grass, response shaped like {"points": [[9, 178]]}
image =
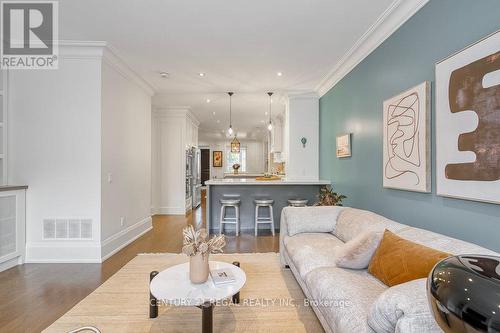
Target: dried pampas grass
{"points": [[196, 241]]}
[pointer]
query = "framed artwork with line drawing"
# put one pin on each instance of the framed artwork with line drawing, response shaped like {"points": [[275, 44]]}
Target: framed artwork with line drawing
{"points": [[468, 122], [407, 140], [217, 159]]}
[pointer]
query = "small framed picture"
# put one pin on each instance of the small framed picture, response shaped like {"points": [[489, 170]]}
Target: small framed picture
{"points": [[217, 159], [344, 145]]}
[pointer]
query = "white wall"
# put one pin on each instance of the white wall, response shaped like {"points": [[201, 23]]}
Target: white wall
{"points": [[69, 128], [126, 158], [256, 155], [302, 119], [55, 149]]}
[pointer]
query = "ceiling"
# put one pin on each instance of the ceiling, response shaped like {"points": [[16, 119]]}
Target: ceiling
{"points": [[239, 45]]}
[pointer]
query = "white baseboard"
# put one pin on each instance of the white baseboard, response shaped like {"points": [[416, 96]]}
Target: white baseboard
{"points": [[118, 241], [85, 251], [63, 252], [170, 211], [11, 263]]}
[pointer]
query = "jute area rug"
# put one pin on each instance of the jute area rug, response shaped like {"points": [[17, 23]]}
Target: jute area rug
{"points": [[271, 301]]}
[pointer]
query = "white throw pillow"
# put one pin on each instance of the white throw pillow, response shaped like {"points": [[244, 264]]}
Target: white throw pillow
{"points": [[311, 219], [358, 252]]}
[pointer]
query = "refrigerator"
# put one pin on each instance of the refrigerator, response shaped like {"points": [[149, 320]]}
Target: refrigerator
{"points": [[196, 176], [189, 179]]}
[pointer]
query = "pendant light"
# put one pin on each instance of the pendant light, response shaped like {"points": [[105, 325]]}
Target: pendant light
{"points": [[270, 125], [235, 144], [230, 130]]}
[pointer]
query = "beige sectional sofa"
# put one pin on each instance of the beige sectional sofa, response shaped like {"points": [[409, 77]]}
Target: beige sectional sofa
{"points": [[347, 300]]}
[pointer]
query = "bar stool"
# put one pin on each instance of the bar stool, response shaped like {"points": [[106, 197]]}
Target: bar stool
{"points": [[259, 219], [297, 202], [232, 201]]}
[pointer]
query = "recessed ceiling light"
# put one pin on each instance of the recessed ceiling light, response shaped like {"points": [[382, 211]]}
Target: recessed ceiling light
{"points": [[213, 113], [279, 74], [218, 121], [265, 113], [208, 100], [201, 74], [164, 75]]}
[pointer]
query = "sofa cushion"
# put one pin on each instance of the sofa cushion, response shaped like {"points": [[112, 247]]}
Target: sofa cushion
{"points": [[347, 296], [358, 252], [352, 222], [311, 219], [310, 251], [403, 308], [398, 260], [441, 242]]}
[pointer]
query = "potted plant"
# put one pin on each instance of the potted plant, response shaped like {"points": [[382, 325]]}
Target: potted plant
{"points": [[327, 197], [197, 246]]}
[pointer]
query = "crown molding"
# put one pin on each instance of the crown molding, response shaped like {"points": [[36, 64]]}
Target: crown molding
{"points": [[176, 112], [387, 23], [81, 50], [301, 95], [111, 57], [102, 51], [193, 118], [171, 111]]}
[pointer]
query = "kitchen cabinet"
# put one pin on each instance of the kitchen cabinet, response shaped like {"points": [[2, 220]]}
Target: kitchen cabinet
{"points": [[277, 135], [191, 132], [175, 130], [12, 226], [3, 127]]}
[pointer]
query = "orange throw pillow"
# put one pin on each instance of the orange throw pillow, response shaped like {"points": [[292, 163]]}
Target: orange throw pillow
{"points": [[398, 260]]}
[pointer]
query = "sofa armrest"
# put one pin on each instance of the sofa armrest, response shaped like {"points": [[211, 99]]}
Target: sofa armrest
{"points": [[403, 308], [283, 234]]}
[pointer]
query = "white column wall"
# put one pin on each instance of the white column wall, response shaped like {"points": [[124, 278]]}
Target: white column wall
{"points": [[69, 128], [302, 120], [126, 159], [55, 149]]}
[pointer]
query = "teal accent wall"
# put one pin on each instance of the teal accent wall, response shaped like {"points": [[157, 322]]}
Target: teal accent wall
{"points": [[354, 105]]}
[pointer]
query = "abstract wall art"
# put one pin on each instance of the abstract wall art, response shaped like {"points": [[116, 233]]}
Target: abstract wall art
{"points": [[406, 140], [468, 122], [343, 145]]}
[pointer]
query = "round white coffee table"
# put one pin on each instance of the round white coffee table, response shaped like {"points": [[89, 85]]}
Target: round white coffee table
{"points": [[172, 286]]}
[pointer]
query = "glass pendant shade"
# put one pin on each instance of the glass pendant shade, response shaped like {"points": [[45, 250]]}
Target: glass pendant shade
{"points": [[270, 126], [235, 145], [230, 130]]}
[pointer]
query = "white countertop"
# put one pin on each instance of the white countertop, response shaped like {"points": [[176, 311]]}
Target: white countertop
{"points": [[242, 174], [251, 181]]}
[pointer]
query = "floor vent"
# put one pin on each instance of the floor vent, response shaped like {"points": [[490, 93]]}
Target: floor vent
{"points": [[67, 229]]}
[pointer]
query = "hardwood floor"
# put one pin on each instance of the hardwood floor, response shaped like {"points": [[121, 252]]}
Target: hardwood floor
{"points": [[32, 296]]}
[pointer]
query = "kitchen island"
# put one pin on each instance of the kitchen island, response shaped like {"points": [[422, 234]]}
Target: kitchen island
{"points": [[250, 189]]}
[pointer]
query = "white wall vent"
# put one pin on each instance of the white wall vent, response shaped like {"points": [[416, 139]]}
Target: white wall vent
{"points": [[67, 229]]}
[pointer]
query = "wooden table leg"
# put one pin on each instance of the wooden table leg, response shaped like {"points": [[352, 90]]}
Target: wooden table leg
{"points": [[236, 297], [207, 317], [153, 302]]}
